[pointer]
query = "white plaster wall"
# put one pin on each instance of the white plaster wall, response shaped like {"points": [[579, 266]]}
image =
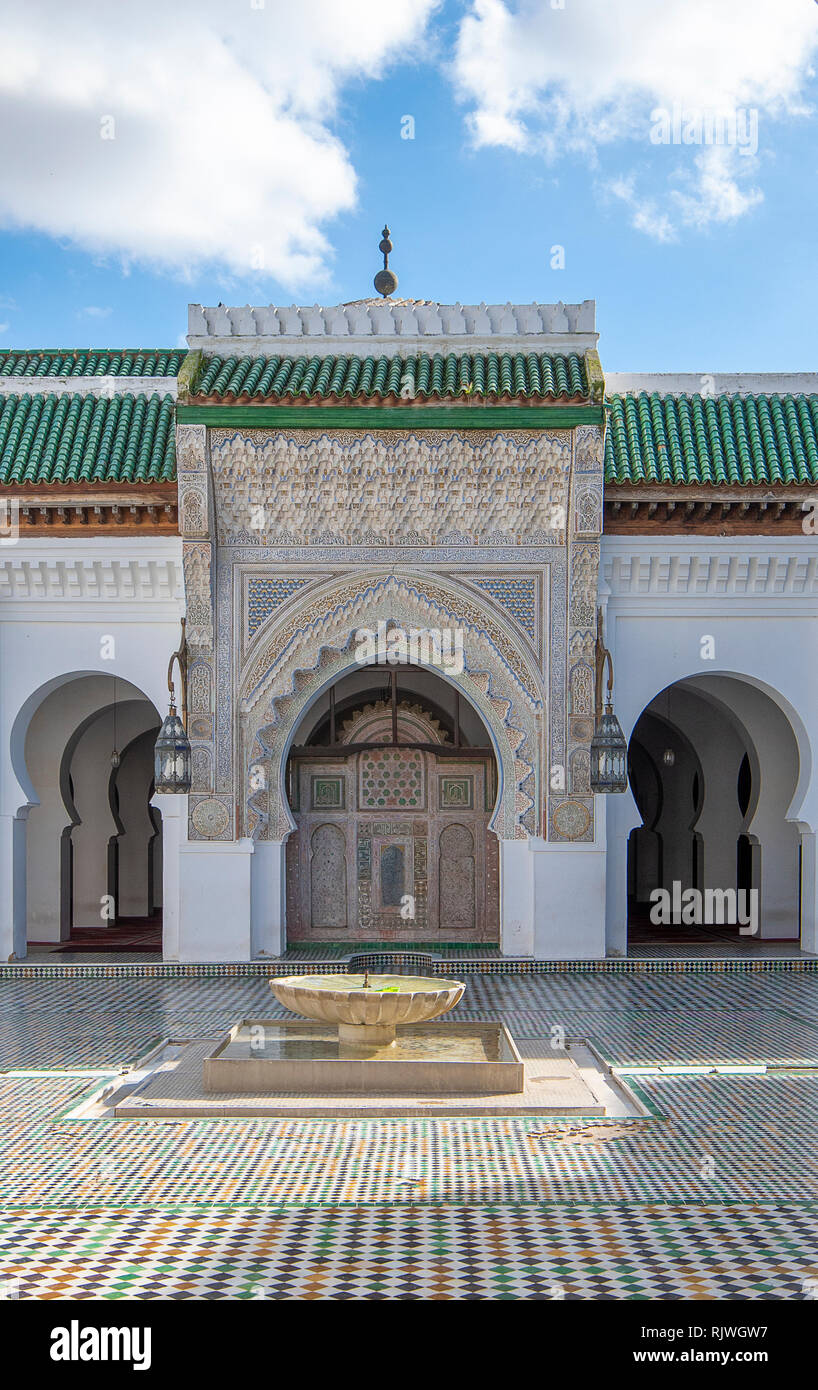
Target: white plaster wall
{"points": [[517, 928], [215, 918], [552, 898]]}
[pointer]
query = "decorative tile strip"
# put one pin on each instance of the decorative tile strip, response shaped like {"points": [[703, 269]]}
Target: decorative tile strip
{"points": [[462, 964]]}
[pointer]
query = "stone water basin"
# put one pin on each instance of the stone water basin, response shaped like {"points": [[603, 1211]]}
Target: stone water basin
{"points": [[367, 1008]]}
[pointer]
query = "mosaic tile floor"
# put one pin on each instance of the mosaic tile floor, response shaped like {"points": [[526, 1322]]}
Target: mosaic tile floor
{"points": [[714, 1195]]}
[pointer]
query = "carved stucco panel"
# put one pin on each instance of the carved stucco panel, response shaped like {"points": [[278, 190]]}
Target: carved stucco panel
{"points": [[274, 704]]}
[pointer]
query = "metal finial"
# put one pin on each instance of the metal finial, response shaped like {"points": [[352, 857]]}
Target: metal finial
{"points": [[386, 281]]}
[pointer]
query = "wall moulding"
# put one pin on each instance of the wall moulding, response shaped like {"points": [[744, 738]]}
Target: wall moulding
{"points": [[680, 569]]}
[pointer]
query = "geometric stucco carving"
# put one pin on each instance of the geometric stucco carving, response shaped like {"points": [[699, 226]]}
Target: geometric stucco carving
{"points": [[207, 819], [476, 487]]}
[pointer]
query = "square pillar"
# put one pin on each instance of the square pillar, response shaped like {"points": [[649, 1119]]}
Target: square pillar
{"points": [[809, 892], [173, 810], [12, 888], [268, 928], [214, 919], [569, 899], [516, 899]]}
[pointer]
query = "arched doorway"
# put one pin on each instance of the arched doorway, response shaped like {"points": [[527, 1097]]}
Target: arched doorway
{"points": [[93, 842], [714, 765], [392, 782]]}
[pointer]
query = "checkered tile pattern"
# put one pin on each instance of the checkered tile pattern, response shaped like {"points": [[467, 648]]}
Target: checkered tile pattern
{"points": [[713, 1195], [447, 1253]]}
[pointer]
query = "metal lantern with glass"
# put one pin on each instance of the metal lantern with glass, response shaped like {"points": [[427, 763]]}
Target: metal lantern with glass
{"points": [[172, 771], [609, 750]]}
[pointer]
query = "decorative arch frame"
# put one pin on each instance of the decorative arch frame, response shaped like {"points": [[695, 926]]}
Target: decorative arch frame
{"points": [[301, 656]]}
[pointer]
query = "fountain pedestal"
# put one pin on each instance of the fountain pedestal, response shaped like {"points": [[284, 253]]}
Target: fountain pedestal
{"points": [[367, 1034]]}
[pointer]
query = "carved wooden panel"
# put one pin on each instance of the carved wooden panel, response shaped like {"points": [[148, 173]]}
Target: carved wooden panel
{"points": [[457, 887], [328, 877], [393, 848]]}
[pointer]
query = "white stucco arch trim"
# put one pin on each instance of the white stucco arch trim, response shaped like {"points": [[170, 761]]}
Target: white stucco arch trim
{"points": [[19, 791]]}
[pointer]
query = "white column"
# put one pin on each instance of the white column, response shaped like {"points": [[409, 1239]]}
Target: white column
{"points": [[174, 830], [621, 817], [12, 888], [809, 892], [133, 783], [268, 899], [516, 899]]}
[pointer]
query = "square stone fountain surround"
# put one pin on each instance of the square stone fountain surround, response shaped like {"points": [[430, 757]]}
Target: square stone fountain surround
{"points": [[500, 1072]]}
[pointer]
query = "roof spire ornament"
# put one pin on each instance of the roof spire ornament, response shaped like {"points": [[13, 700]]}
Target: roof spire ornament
{"points": [[386, 281]]}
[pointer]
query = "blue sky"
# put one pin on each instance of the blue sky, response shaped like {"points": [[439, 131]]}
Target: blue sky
{"points": [[530, 131]]}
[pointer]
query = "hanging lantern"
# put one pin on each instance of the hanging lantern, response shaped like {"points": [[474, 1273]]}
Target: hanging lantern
{"points": [[609, 755], [171, 765], [115, 758], [668, 757], [172, 760], [609, 749]]}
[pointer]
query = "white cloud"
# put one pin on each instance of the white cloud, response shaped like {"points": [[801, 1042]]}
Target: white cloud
{"points": [[4, 327], [574, 80], [190, 134], [95, 311], [646, 215]]}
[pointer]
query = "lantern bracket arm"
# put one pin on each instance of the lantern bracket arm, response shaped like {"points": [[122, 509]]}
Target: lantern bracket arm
{"points": [[180, 656], [603, 658]]}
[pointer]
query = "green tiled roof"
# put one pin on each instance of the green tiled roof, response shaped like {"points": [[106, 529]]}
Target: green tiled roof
{"points": [[419, 376], [87, 439], [92, 362], [722, 440]]}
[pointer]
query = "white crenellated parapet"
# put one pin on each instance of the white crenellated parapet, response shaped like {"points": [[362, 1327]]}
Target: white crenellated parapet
{"points": [[711, 383], [343, 327]]}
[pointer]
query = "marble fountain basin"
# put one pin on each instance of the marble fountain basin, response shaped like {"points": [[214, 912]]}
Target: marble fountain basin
{"points": [[367, 1009], [366, 1035]]}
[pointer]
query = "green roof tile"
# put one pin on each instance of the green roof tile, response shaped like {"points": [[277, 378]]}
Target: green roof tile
{"points": [[87, 439], [419, 376], [717, 440], [92, 362]]}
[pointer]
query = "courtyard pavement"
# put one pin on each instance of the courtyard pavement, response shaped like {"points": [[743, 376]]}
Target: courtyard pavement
{"points": [[714, 1195]]}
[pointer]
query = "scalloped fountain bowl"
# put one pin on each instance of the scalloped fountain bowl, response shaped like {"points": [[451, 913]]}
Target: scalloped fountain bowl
{"points": [[367, 1014]]}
